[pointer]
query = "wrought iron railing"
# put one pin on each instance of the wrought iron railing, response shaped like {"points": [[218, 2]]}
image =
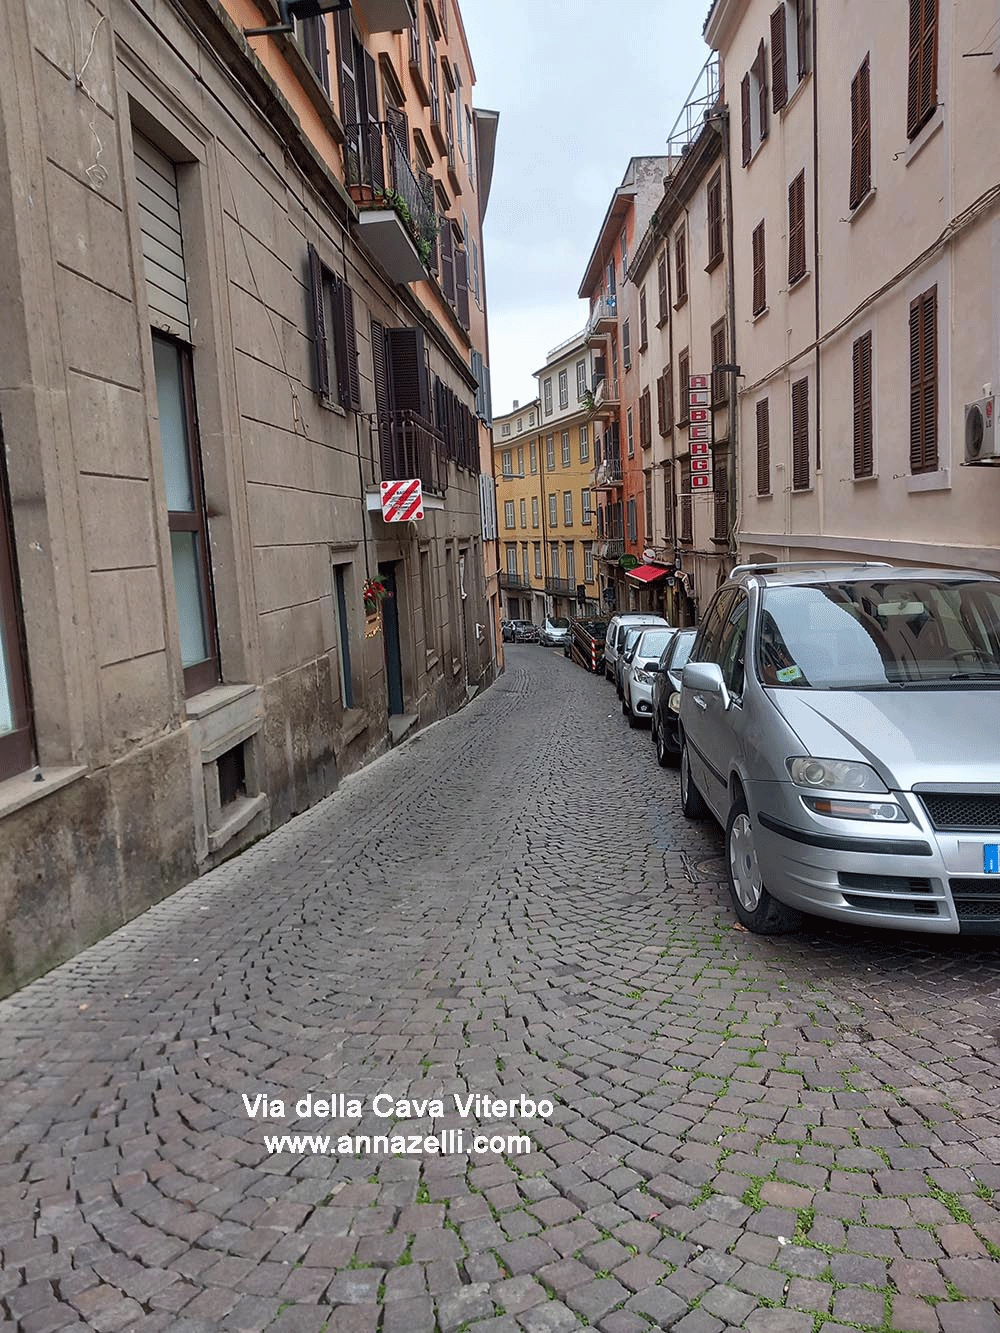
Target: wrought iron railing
{"points": [[379, 175], [514, 582], [609, 472], [561, 587], [410, 447], [606, 307], [613, 548]]}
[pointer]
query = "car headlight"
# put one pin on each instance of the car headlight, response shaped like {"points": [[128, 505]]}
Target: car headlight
{"points": [[883, 812], [674, 702], [834, 774], [642, 678]]}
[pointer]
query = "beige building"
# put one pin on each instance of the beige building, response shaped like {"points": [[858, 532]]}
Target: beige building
{"points": [[242, 289], [866, 199]]}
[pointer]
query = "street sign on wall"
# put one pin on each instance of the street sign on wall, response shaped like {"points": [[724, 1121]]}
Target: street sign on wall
{"points": [[402, 500]]}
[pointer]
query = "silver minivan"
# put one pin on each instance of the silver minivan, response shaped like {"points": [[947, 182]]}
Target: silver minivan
{"points": [[615, 638], [840, 722]]}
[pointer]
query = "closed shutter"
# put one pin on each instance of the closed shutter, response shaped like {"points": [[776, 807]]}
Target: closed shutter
{"points": [[715, 220], [779, 60], [763, 448], [383, 400], [476, 362], [923, 383], [399, 128], [719, 384], [320, 347], [797, 228], [680, 251], [374, 128], [462, 287], [760, 65], [861, 147], [626, 346], [922, 85], [661, 414], [350, 106], [408, 371], [162, 248], [642, 318], [661, 286], [683, 388], [759, 270], [668, 398], [863, 451], [353, 399], [447, 260], [745, 108], [800, 435], [488, 389]]}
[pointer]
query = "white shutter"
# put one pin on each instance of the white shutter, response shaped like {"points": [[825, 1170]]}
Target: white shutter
{"points": [[162, 248]]}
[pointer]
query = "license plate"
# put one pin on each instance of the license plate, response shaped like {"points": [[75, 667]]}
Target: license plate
{"points": [[991, 858]]}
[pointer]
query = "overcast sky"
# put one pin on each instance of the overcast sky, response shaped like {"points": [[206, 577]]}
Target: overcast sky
{"points": [[581, 86]]}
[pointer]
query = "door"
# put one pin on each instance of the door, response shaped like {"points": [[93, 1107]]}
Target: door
{"points": [[722, 728], [390, 640], [697, 727]]}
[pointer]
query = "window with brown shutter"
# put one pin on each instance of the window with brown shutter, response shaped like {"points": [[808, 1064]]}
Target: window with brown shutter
{"points": [[626, 345], [680, 256], [797, 228], [759, 271], [802, 35], [312, 34], [642, 319], [333, 321], [407, 365], [863, 442], [714, 221], [923, 383], [800, 435], [760, 69], [668, 399], [861, 135], [462, 287], [661, 286], [922, 87], [720, 378], [645, 420], [763, 448], [747, 127], [683, 386], [779, 59], [350, 102], [668, 504], [447, 260]]}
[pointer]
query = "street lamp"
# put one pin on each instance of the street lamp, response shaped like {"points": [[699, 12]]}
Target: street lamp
{"points": [[289, 10]]}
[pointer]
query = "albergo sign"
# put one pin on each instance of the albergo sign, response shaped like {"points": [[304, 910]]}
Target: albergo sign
{"points": [[700, 430]]}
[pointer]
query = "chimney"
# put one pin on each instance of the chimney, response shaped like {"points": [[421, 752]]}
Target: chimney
{"points": [[516, 405]]}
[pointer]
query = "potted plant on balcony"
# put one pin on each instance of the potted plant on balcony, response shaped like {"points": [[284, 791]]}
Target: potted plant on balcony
{"points": [[374, 594]]}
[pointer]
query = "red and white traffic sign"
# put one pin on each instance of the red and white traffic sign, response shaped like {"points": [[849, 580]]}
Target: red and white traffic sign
{"points": [[402, 500]]}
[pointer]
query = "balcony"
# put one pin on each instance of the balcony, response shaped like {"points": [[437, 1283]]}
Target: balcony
{"points": [[606, 399], [385, 15], [514, 582], [608, 474], [613, 549], [410, 447], [560, 587], [397, 222], [603, 319]]}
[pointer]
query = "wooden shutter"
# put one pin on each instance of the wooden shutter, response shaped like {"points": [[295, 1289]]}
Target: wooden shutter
{"points": [[779, 60], [861, 145], [159, 209], [800, 435], [341, 350], [759, 270], [797, 228], [802, 35], [626, 346], [350, 104], [408, 371], [661, 285], [373, 128], [761, 66], [447, 260], [642, 318], [923, 383], [863, 451], [353, 399], [747, 131], [715, 219], [320, 347], [718, 359], [683, 387], [383, 398], [763, 448], [680, 252], [668, 398], [462, 287], [922, 84], [661, 412]]}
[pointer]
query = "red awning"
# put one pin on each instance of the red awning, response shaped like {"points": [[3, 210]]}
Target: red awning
{"points": [[647, 573]]}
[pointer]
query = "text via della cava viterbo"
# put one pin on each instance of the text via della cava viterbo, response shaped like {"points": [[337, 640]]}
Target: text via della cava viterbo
{"points": [[339, 1106]]}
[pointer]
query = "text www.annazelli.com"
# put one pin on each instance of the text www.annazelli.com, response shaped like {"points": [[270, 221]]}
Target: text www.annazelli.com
{"points": [[393, 1145]]}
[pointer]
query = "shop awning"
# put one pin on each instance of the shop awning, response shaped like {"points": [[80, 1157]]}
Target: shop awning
{"points": [[647, 573]]}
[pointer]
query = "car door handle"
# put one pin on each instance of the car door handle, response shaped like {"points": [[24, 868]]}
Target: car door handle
{"points": [[700, 701]]}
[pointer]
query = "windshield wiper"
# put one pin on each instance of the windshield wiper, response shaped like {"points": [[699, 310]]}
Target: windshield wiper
{"points": [[975, 675]]}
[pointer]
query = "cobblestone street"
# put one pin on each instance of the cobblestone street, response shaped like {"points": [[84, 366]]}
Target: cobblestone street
{"points": [[794, 1135]]}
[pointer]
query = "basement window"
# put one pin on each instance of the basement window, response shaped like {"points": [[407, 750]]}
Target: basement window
{"points": [[232, 772]]}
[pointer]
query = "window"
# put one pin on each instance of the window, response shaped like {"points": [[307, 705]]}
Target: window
{"points": [[186, 513], [759, 271], [715, 248], [340, 576], [553, 511], [525, 567], [524, 513], [684, 495], [626, 346], [427, 600], [581, 379], [586, 512], [720, 378], [312, 35], [720, 487], [668, 504], [554, 559], [680, 262], [797, 228], [584, 444], [753, 98], [15, 724], [533, 450], [612, 290], [550, 452], [534, 511], [547, 396], [335, 342], [633, 531], [763, 448], [648, 508], [570, 563], [921, 98], [863, 434], [568, 508], [642, 320], [665, 401], [645, 421], [563, 389], [800, 435], [662, 291], [508, 513], [511, 549], [683, 387], [538, 560], [588, 562], [468, 148], [531, 418], [520, 425], [565, 448], [628, 433], [507, 461], [789, 32], [923, 383], [520, 460], [505, 429], [624, 249], [779, 60], [861, 135]]}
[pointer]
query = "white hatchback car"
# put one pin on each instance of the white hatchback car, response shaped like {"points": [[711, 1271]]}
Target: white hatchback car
{"points": [[615, 638], [639, 669]]}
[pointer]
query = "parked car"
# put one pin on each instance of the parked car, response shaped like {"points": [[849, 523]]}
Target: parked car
{"points": [[615, 636], [586, 644], [629, 639], [840, 723], [667, 699], [524, 631], [554, 632], [642, 661]]}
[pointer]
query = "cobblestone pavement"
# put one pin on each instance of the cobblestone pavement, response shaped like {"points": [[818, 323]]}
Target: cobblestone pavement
{"points": [[780, 1136]]}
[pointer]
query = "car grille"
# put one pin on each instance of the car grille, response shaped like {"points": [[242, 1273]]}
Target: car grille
{"points": [[872, 891], [976, 899], [959, 812]]}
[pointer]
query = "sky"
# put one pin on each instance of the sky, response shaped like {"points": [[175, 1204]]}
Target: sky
{"points": [[581, 86]]}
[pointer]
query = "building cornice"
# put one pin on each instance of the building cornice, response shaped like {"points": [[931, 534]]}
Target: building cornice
{"points": [[721, 21]]}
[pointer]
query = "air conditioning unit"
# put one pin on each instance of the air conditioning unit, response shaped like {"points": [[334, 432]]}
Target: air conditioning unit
{"points": [[981, 443]]}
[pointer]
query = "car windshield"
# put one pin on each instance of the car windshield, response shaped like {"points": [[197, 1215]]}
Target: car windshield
{"points": [[558, 622], [880, 634], [679, 650], [651, 644]]}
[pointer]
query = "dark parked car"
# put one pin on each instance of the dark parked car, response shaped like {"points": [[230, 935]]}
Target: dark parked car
{"points": [[524, 631], [666, 685], [586, 644]]}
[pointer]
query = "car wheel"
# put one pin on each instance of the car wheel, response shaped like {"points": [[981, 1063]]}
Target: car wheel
{"points": [[624, 704], [662, 753], [754, 906], [633, 721], [691, 800]]}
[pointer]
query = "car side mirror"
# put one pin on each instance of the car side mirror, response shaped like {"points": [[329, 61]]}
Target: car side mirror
{"points": [[706, 678]]}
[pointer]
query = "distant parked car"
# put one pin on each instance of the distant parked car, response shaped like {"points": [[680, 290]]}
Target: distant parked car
{"points": [[554, 632], [586, 644], [642, 662], [615, 638], [525, 631], [667, 700], [507, 630], [628, 645]]}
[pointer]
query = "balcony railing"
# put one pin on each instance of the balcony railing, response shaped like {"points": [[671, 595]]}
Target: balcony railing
{"points": [[606, 396], [514, 582], [608, 473], [603, 317], [410, 447], [379, 175], [613, 548], [560, 587], [703, 98]]}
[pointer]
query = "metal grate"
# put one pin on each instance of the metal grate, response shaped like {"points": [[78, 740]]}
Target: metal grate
{"points": [[956, 812], [908, 891], [884, 883]]}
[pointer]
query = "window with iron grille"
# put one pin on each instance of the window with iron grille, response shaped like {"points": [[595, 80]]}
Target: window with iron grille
{"points": [[581, 379], [16, 749], [563, 388], [759, 271], [720, 378], [797, 228], [680, 262], [553, 510], [642, 319], [565, 448], [763, 448], [662, 291], [508, 513], [568, 508], [861, 135], [923, 383], [863, 432], [715, 247], [626, 346], [584, 444], [800, 435], [550, 451], [921, 97], [683, 387]]}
